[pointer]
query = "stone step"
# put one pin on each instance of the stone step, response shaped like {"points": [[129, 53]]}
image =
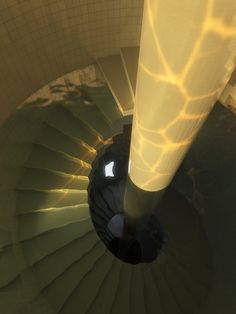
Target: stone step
{"points": [[42, 245], [137, 299], [34, 224], [44, 158], [56, 140], [48, 269], [29, 201], [104, 100], [124, 289], [88, 288], [109, 288], [44, 179], [130, 58], [64, 121], [93, 117], [115, 76], [55, 293]]}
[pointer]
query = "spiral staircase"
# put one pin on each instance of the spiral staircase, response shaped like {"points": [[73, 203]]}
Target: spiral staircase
{"points": [[51, 257]]}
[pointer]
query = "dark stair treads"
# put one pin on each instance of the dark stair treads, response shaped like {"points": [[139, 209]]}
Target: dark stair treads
{"points": [[9, 268], [151, 293], [108, 288], [122, 299], [137, 294], [190, 280], [5, 239], [195, 267], [167, 300], [183, 297]]}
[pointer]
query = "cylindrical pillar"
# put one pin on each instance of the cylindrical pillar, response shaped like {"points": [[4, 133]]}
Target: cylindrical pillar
{"points": [[187, 53]]}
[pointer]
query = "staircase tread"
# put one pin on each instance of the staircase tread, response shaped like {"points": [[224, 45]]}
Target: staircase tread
{"points": [[122, 298], [92, 117], [107, 104], [151, 293], [63, 120], [44, 179], [56, 140], [137, 299], [109, 287], [87, 289], [47, 243], [130, 57], [56, 292], [114, 73], [34, 224], [44, 158]]}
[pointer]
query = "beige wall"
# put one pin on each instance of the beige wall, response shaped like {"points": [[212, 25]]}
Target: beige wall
{"points": [[41, 40]]}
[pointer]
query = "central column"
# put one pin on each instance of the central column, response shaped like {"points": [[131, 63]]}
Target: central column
{"points": [[187, 54]]}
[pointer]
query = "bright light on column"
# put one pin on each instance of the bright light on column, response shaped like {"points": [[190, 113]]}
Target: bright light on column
{"points": [[187, 54]]}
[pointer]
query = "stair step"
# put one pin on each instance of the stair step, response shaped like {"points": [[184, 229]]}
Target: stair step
{"points": [[89, 286], [58, 141], [108, 288], [151, 293], [182, 296], [5, 238], [122, 298], [99, 218], [97, 210], [56, 294], [110, 196], [47, 243], [106, 103], [31, 200], [168, 302], [8, 267], [92, 117], [47, 270], [34, 224], [114, 73], [130, 57], [63, 120], [137, 299], [10, 293], [99, 203], [44, 158], [44, 179], [191, 286], [200, 272]]}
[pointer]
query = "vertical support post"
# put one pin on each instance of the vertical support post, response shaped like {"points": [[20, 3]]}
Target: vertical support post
{"points": [[187, 54]]}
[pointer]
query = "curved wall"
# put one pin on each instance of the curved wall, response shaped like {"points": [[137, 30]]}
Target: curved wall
{"points": [[43, 40]]}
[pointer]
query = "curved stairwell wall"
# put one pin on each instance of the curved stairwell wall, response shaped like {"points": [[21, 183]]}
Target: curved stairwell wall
{"points": [[51, 259]]}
